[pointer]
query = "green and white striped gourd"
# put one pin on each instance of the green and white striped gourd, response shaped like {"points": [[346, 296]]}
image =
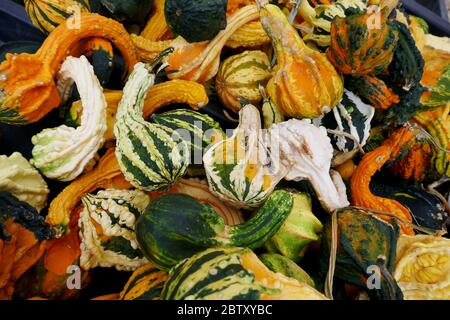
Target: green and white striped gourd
{"points": [[352, 117], [240, 76], [107, 225], [232, 274], [64, 152], [198, 130], [240, 169], [151, 156], [146, 283]]}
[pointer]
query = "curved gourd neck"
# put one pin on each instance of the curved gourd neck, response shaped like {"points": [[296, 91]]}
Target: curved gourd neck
{"points": [[135, 92]]}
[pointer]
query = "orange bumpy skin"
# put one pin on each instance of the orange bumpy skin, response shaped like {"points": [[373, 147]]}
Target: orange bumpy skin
{"points": [[27, 81]]}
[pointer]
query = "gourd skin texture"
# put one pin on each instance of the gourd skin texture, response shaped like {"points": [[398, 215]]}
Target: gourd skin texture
{"points": [[232, 274], [158, 96], [107, 229], [168, 235], [106, 175], [151, 156], [240, 76], [27, 80], [63, 153], [358, 49], [146, 283], [46, 15], [300, 229], [156, 27], [305, 84], [423, 267], [18, 177]]}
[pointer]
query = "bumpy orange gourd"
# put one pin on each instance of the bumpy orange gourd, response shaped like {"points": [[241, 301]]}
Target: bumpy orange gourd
{"points": [[361, 44], [106, 175], [305, 85], [159, 96], [362, 196], [27, 81], [156, 28], [376, 92], [200, 61]]}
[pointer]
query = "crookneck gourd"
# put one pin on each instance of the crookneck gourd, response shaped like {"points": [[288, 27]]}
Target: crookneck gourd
{"points": [[107, 225], [27, 83], [23, 236], [168, 235], [156, 28], [362, 196], [22, 180], [240, 77], [360, 46], [150, 155], [106, 175], [305, 84], [146, 283], [62, 153], [200, 61], [158, 96], [232, 274]]}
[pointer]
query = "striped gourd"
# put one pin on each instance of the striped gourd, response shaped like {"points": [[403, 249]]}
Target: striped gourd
{"points": [[46, 15], [107, 225], [199, 130], [350, 117], [176, 226], [240, 76], [232, 274], [145, 283], [240, 170], [151, 156], [270, 111]]}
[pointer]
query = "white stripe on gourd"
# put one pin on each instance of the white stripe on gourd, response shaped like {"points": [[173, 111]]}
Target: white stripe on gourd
{"points": [[150, 155]]}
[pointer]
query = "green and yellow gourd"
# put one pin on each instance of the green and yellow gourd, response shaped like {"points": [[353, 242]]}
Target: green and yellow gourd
{"points": [[240, 76], [232, 274], [146, 283], [151, 156], [46, 15], [168, 235]]}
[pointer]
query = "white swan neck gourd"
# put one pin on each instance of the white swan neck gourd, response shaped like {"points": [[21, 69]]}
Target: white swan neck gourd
{"points": [[64, 152]]}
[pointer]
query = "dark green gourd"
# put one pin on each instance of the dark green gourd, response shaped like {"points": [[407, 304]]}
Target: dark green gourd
{"points": [[177, 226]]}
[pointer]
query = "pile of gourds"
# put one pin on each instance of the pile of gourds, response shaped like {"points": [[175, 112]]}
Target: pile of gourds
{"points": [[328, 157]]}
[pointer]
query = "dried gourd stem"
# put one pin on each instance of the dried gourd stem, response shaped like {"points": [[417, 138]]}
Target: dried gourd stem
{"points": [[402, 220], [151, 66], [263, 92], [381, 264], [229, 117], [294, 11], [348, 135], [441, 197], [333, 253], [429, 137]]}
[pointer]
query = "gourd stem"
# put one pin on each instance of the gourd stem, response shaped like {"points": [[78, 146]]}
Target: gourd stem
{"points": [[294, 11], [152, 65], [333, 253], [348, 135], [429, 137], [381, 263]]}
